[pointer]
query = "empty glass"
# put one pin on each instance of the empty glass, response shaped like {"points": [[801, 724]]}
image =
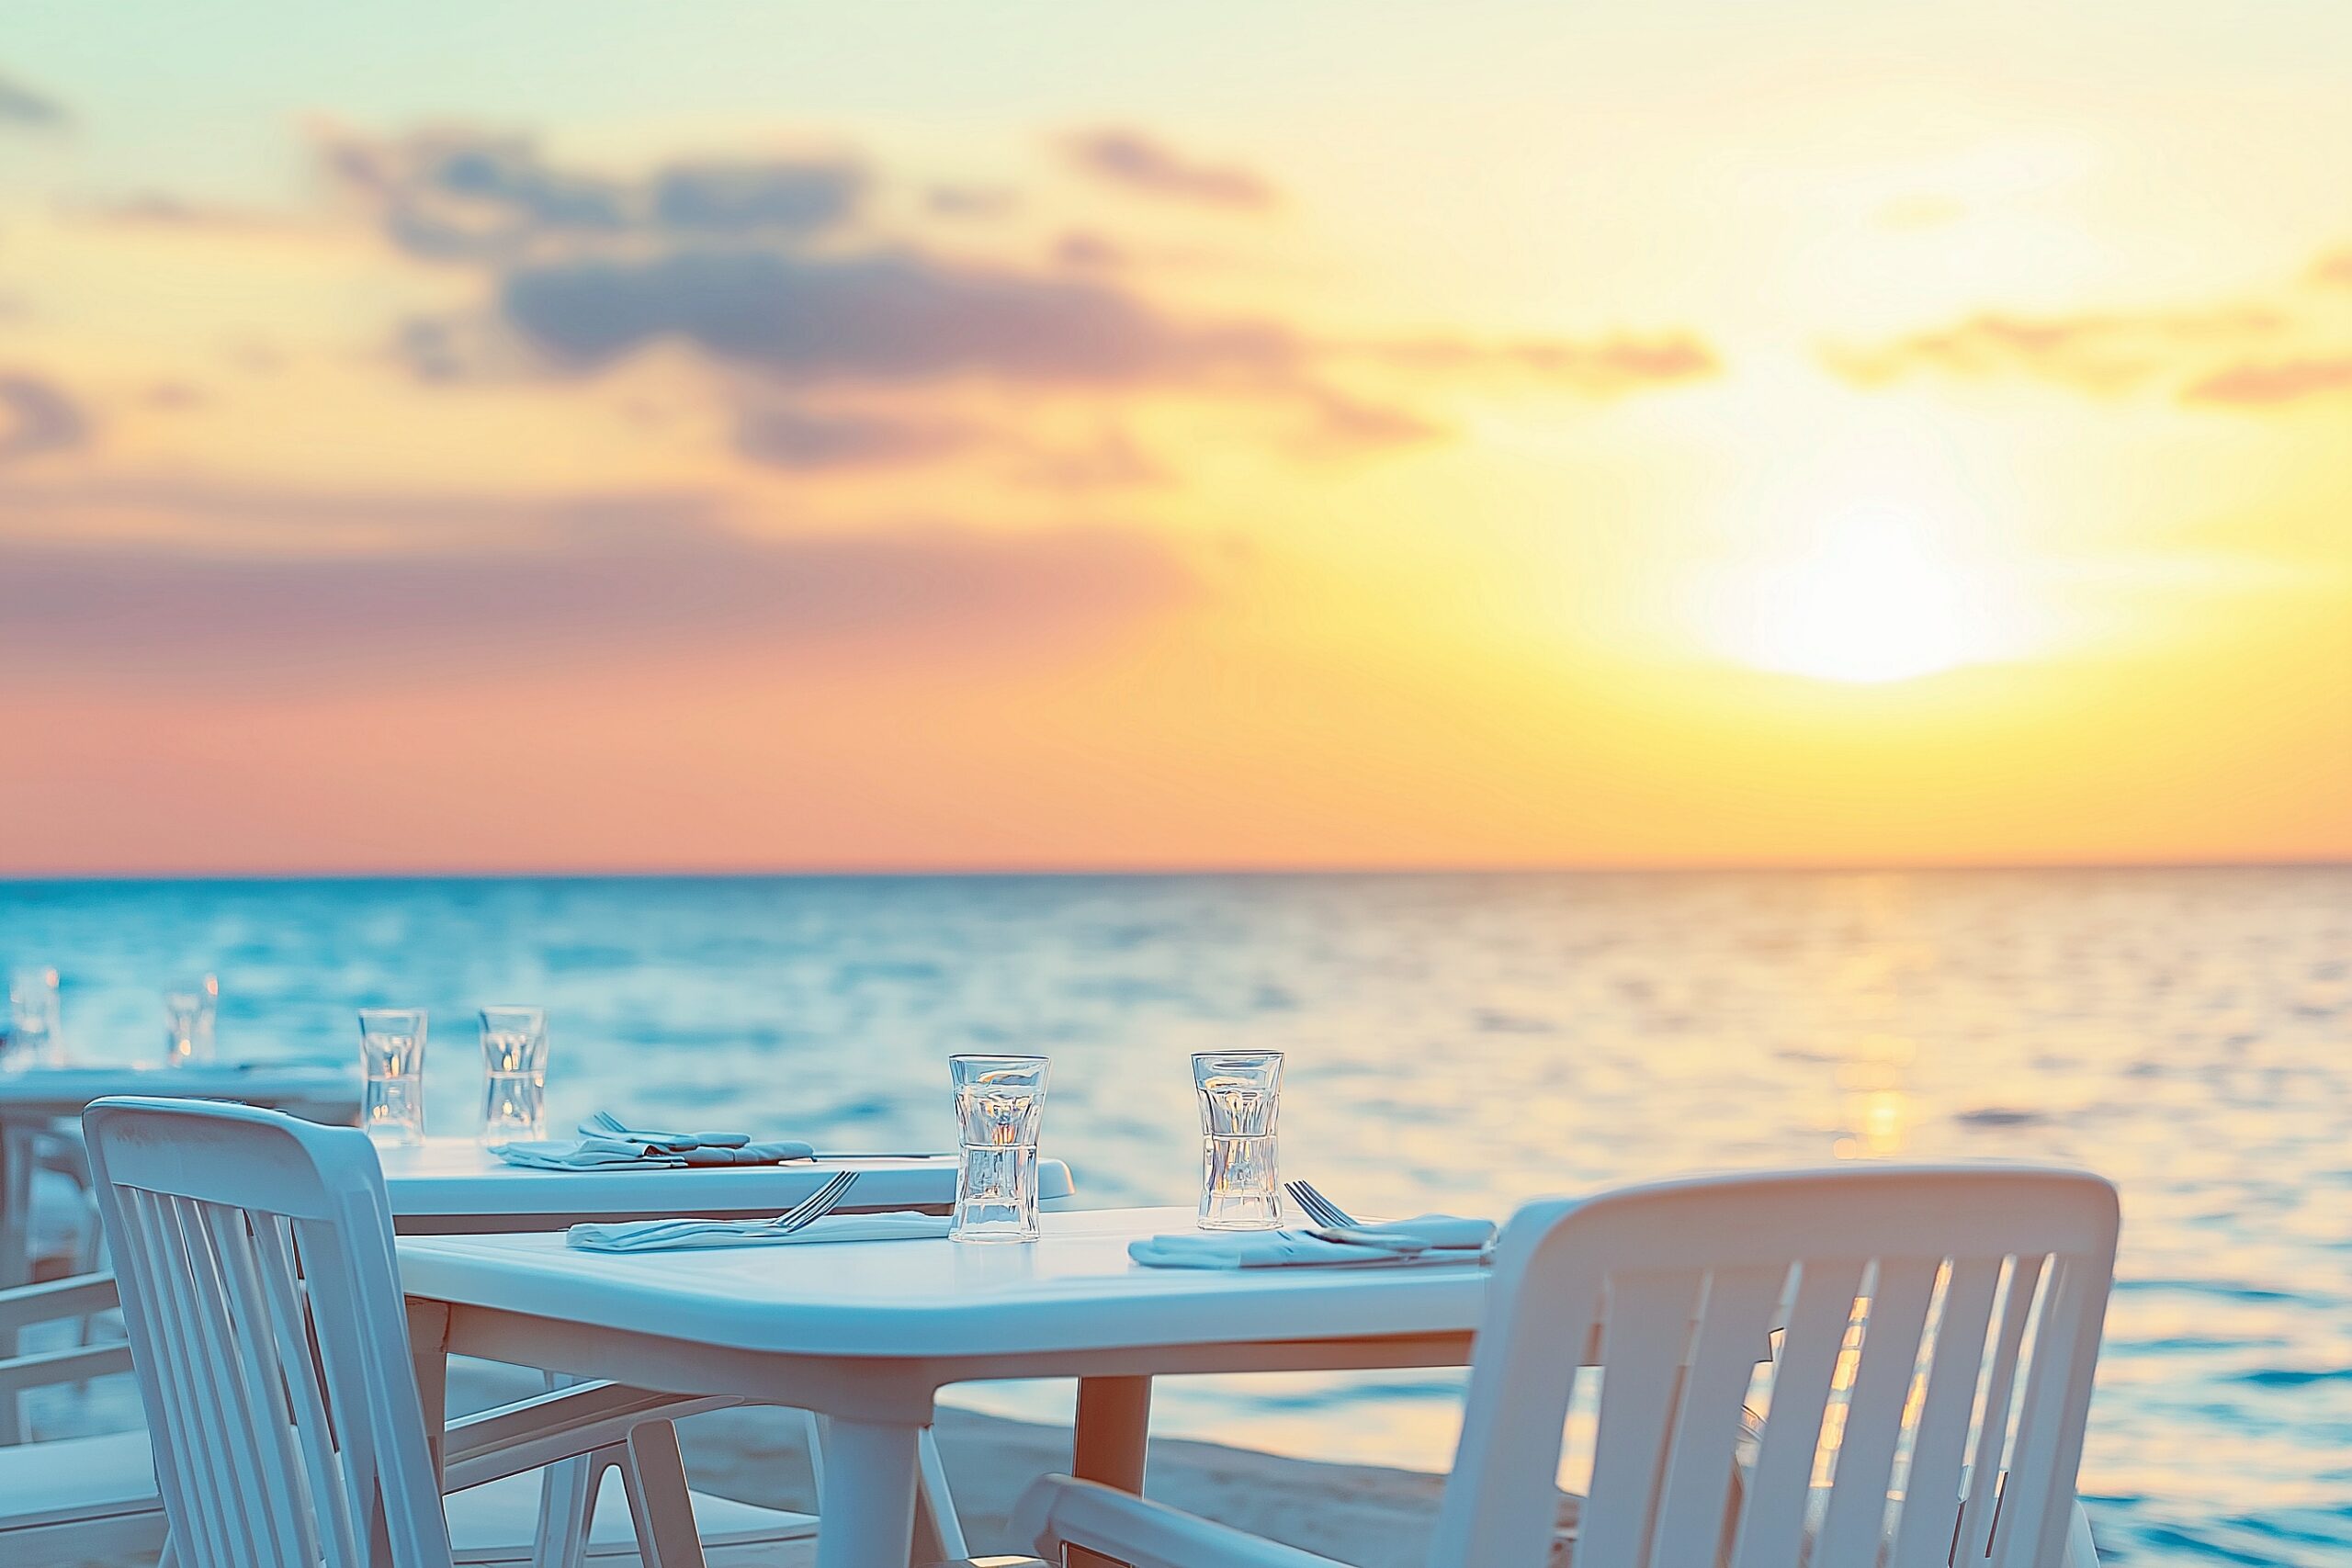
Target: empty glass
{"points": [[1241, 1094], [1000, 1102], [187, 1023], [391, 1055], [514, 1075], [33, 1034]]}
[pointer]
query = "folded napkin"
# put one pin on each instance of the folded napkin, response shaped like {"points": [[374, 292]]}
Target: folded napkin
{"points": [[656, 1235], [604, 1154], [1430, 1239]]}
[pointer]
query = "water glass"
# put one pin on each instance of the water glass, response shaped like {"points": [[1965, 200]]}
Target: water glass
{"points": [[391, 1055], [34, 1038], [187, 1023], [514, 1075], [1241, 1094], [1000, 1102]]}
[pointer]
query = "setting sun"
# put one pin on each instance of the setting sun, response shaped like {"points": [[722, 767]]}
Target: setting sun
{"points": [[1875, 600]]}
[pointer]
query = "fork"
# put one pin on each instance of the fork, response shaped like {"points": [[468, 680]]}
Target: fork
{"points": [[1319, 1208], [604, 1124], [800, 1216]]}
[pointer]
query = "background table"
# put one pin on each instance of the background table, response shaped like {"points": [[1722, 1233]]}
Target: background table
{"points": [[33, 1098], [866, 1333]]}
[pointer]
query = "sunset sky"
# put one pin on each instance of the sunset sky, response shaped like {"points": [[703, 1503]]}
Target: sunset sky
{"points": [[753, 436]]}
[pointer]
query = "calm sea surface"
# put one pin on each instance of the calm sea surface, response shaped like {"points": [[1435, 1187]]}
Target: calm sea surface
{"points": [[1457, 1043]]}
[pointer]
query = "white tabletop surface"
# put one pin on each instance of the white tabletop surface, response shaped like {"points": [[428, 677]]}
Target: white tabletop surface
{"points": [[1075, 1289], [65, 1091], [455, 1179]]}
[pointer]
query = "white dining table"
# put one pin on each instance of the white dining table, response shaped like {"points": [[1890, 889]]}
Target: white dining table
{"points": [[33, 1098], [866, 1334]]}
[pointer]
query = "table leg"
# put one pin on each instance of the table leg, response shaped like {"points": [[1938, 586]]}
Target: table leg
{"points": [[866, 1510], [15, 1248], [1108, 1443], [16, 1205], [428, 1351]]}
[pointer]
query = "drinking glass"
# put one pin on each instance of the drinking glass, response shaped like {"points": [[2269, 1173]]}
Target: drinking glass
{"points": [[1240, 1093], [33, 1034], [391, 1055], [514, 1075], [187, 1023], [999, 1101]]}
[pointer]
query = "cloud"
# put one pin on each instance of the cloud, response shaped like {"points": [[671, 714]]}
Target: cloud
{"points": [[20, 105], [37, 417], [583, 583], [768, 266], [1086, 251], [969, 201], [1111, 461], [455, 195], [794, 438], [1133, 162], [1602, 367], [2264, 383], [1344, 425], [752, 197], [2333, 269], [892, 315], [2105, 353]]}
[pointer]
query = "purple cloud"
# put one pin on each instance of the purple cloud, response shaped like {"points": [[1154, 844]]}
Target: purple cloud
{"points": [[1134, 161], [459, 196], [585, 582], [886, 316], [20, 105], [37, 417], [794, 438]]}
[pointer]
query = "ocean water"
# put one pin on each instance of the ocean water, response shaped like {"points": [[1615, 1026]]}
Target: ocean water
{"points": [[1458, 1042]]}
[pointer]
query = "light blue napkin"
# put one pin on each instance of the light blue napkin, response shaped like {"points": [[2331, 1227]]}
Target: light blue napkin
{"points": [[661, 1236], [1429, 1239], [606, 1153]]}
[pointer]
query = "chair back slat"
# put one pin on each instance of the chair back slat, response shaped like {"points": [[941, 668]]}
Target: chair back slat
{"points": [[2049, 1432], [1734, 1326], [1977, 1510], [1871, 1430], [263, 1306], [264, 1375], [236, 1466], [306, 1396], [1872, 1387], [145, 1244], [1931, 1484], [1642, 1341], [1772, 1527]]}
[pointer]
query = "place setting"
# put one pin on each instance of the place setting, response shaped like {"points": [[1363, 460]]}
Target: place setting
{"points": [[1000, 1109]]}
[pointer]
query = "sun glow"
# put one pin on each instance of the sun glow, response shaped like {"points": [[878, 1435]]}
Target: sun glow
{"points": [[1875, 600]]}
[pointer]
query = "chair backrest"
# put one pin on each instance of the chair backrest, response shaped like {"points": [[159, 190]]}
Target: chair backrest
{"points": [[263, 1302], [1897, 1308]]}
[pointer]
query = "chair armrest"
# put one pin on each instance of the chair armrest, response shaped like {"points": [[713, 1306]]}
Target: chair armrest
{"points": [[1057, 1511], [53, 1299], [558, 1425], [49, 1368]]}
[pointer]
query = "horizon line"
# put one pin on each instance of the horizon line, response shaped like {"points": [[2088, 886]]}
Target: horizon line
{"points": [[883, 872]]}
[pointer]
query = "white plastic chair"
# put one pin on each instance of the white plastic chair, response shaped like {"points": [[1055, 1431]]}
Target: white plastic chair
{"points": [[1931, 1334], [262, 1298]]}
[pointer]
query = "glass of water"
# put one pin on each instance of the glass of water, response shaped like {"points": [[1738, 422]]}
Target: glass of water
{"points": [[514, 1075], [187, 1023], [1000, 1104], [391, 1055], [1241, 1094], [33, 1034]]}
